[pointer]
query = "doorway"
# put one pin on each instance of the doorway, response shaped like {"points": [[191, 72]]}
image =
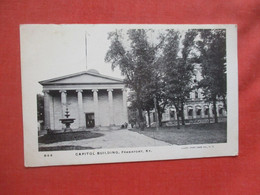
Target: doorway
{"points": [[90, 120]]}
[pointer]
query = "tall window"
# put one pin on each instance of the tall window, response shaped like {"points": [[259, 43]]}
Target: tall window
{"points": [[220, 111], [198, 112], [206, 112], [172, 114], [196, 95], [190, 112]]}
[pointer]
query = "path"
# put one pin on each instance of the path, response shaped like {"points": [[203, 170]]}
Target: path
{"points": [[113, 139]]}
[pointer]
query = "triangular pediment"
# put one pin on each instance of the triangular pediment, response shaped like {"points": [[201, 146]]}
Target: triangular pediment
{"points": [[83, 78]]}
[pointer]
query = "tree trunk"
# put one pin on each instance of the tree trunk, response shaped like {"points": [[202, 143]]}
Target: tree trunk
{"points": [[224, 102], [159, 114], [215, 109], [140, 112], [182, 115], [140, 118], [178, 118], [209, 114], [160, 117], [149, 119]]}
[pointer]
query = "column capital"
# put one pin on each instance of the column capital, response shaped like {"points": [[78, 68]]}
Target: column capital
{"points": [[45, 91], [79, 90], [109, 89], [94, 90], [62, 91]]}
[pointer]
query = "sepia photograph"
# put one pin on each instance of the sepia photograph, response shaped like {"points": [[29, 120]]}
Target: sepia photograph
{"points": [[119, 93]]}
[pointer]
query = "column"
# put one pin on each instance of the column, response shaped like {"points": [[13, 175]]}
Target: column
{"points": [[63, 102], [110, 102], [202, 111], [96, 110], [211, 111], [80, 109], [194, 112], [52, 121], [46, 110], [125, 115], [185, 112], [175, 115]]}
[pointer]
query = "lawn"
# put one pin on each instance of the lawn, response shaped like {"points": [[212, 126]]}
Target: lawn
{"points": [[69, 136], [189, 134]]}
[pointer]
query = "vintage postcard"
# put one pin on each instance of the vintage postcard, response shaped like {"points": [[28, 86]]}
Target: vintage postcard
{"points": [[103, 93]]}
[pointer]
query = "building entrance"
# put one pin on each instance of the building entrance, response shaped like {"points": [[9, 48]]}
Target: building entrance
{"points": [[90, 120]]}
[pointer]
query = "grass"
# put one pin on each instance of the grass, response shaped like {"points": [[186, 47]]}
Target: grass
{"points": [[69, 136], [189, 134]]}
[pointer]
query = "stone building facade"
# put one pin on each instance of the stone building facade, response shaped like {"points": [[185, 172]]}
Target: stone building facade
{"points": [[196, 110], [92, 99]]}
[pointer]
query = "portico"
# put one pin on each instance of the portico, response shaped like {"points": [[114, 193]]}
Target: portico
{"points": [[93, 99]]}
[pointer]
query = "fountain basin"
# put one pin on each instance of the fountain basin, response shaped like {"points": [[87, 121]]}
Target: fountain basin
{"points": [[67, 122]]}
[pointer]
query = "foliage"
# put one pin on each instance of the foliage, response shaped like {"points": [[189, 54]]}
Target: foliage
{"points": [[162, 74], [179, 69], [134, 63], [40, 107], [212, 48]]}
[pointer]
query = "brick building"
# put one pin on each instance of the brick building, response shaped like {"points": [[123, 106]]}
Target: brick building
{"points": [[93, 100]]}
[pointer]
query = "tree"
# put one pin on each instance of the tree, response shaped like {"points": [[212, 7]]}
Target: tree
{"points": [[179, 69], [135, 64], [212, 47], [40, 107]]}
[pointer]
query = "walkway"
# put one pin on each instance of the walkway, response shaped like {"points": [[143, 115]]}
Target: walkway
{"points": [[113, 139]]}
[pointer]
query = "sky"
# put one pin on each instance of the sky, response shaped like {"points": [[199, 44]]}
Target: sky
{"points": [[50, 51]]}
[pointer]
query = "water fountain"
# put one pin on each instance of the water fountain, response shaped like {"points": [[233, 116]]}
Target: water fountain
{"points": [[67, 121]]}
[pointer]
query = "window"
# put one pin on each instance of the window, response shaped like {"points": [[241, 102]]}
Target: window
{"points": [[172, 114], [220, 111], [196, 94], [206, 112], [198, 112], [190, 112]]}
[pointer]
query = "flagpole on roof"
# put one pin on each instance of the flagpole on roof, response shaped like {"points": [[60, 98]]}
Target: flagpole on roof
{"points": [[86, 49]]}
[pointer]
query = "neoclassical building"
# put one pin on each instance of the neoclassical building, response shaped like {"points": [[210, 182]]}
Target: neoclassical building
{"points": [[93, 100]]}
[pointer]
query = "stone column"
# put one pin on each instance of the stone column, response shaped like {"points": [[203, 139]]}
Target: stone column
{"points": [[110, 102], [46, 110], [175, 114], [96, 109], [125, 115], [52, 121], [194, 112], [202, 111], [211, 111], [80, 109], [185, 110], [63, 102]]}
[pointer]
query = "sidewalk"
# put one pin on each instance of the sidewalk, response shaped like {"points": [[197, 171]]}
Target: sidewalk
{"points": [[113, 139]]}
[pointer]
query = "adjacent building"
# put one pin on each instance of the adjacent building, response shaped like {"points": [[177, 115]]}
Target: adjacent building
{"points": [[196, 109]]}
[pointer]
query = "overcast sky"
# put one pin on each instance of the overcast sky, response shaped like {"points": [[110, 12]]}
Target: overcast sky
{"points": [[50, 51]]}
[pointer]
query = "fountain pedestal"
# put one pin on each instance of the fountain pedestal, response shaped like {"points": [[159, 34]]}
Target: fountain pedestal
{"points": [[67, 121]]}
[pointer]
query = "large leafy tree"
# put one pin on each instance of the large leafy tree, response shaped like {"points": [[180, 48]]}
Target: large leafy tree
{"points": [[212, 48], [134, 61], [178, 68]]}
